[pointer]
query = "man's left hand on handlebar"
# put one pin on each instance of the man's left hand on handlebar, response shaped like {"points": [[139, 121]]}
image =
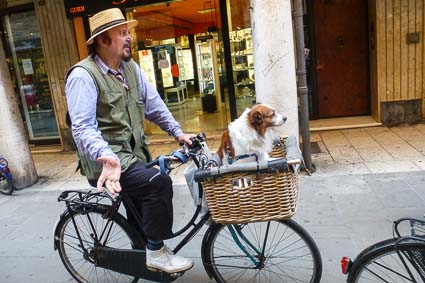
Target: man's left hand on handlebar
{"points": [[185, 138]]}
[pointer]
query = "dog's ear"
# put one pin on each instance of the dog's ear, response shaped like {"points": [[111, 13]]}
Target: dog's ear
{"points": [[256, 118]]}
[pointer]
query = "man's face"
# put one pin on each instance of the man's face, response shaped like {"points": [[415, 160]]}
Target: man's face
{"points": [[120, 42]]}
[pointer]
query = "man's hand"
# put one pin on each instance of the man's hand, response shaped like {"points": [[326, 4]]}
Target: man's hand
{"points": [[185, 138], [110, 175]]}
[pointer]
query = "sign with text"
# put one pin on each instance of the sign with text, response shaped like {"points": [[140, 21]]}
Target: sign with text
{"points": [[78, 8]]}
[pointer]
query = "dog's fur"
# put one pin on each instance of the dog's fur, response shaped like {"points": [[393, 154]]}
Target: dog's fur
{"points": [[250, 134]]}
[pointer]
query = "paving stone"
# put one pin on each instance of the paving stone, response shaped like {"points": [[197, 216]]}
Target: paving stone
{"points": [[363, 142], [394, 166], [374, 154], [345, 154], [334, 138]]}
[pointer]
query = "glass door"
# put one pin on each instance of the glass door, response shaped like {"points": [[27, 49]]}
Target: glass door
{"points": [[29, 74], [240, 35], [209, 84]]}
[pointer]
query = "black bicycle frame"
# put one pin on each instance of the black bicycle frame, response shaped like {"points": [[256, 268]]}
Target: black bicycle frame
{"points": [[132, 261]]}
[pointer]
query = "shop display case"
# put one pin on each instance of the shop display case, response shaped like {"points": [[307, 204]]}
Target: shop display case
{"points": [[146, 65], [209, 84], [243, 62], [184, 60], [167, 76]]}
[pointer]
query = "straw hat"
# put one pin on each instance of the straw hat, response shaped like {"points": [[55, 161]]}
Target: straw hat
{"points": [[106, 20]]}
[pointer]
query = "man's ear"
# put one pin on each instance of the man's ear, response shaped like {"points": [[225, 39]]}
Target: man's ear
{"points": [[104, 40]]}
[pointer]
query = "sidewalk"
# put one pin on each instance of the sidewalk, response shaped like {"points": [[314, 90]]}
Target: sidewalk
{"points": [[338, 152], [365, 179]]}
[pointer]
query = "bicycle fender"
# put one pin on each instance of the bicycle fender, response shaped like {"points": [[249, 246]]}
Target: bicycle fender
{"points": [[356, 264], [57, 227]]}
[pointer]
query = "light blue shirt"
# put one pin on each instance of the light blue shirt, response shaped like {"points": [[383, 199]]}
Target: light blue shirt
{"points": [[81, 95]]}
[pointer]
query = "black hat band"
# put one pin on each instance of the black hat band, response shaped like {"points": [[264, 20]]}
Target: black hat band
{"points": [[107, 25]]}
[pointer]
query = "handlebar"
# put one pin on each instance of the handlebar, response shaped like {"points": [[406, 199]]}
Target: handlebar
{"points": [[266, 166], [182, 155], [292, 160]]}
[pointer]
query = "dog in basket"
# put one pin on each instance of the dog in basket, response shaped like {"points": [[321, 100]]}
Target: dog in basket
{"points": [[249, 135]]}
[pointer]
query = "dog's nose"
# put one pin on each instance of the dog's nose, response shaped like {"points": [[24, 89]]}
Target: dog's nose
{"points": [[284, 119]]}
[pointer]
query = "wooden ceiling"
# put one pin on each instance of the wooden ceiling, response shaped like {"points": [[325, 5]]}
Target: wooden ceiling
{"points": [[182, 17]]}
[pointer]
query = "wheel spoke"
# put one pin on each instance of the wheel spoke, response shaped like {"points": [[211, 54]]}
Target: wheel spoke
{"points": [[288, 253], [383, 264], [80, 261]]}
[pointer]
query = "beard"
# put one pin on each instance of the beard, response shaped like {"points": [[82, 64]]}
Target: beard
{"points": [[126, 57]]}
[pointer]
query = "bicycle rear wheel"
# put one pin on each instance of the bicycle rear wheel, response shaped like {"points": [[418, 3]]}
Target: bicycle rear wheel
{"points": [[94, 229], [6, 186], [284, 252], [382, 263]]}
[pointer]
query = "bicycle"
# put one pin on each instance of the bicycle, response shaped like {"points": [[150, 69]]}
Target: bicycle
{"points": [[398, 259], [97, 244], [6, 185]]}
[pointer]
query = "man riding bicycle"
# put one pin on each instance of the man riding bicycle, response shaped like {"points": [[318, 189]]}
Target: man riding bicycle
{"points": [[108, 98]]}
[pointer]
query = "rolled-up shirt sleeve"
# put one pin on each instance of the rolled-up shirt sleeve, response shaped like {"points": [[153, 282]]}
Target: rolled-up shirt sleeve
{"points": [[155, 109], [81, 95]]}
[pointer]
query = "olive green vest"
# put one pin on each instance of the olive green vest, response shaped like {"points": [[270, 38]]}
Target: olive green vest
{"points": [[119, 115]]}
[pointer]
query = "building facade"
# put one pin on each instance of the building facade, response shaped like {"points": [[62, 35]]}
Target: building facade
{"points": [[363, 58]]}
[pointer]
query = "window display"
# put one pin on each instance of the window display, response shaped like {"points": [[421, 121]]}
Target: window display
{"points": [[209, 84], [243, 62], [184, 60], [165, 66], [146, 65], [29, 74]]}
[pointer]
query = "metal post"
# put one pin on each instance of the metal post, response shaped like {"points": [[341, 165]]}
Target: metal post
{"points": [[302, 84]]}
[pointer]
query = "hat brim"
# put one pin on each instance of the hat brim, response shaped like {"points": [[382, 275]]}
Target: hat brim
{"points": [[130, 24]]}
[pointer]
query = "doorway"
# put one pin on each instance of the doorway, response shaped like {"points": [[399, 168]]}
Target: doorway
{"points": [[341, 58], [25, 59]]}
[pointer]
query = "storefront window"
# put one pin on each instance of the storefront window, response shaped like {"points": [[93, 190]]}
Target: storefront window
{"points": [[29, 75], [178, 49], [242, 54]]}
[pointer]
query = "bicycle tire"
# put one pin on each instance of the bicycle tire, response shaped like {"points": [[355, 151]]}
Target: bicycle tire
{"points": [[297, 260], [80, 265], [381, 263], [6, 186]]}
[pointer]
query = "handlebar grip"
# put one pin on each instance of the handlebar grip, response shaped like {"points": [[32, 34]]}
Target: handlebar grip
{"points": [[277, 165], [201, 175]]}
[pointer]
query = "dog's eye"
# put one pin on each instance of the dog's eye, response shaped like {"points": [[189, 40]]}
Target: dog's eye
{"points": [[271, 115]]}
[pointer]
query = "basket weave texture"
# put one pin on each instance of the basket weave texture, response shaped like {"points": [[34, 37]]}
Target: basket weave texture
{"points": [[250, 197]]}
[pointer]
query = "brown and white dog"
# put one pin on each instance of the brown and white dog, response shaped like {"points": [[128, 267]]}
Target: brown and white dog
{"points": [[251, 133]]}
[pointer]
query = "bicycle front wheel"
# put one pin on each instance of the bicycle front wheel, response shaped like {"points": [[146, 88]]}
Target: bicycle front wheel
{"points": [[382, 263], [6, 186], [81, 231], [275, 251]]}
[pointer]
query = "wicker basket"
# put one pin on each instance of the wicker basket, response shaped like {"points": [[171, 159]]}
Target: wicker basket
{"points": [[251, 197]]}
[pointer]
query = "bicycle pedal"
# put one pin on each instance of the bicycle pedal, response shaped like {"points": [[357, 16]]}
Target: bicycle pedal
{"points": [[154, 269], [174, 275]]}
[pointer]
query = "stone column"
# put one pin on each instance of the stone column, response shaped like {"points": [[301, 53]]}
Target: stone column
{"points": [[13, 140], [274, 59]]}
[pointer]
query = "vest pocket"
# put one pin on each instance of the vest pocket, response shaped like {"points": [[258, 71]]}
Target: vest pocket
{"points": [[141, 110], [91, 168]]}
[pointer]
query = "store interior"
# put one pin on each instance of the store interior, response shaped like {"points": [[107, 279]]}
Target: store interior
{"points": [[179, 48]]}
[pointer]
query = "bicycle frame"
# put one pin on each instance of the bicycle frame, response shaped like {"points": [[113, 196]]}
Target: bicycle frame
{"points": [[132, 261], [5, 169]]}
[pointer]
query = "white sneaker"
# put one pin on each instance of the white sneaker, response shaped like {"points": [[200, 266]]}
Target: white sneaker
{"points": [[165, 260]]}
